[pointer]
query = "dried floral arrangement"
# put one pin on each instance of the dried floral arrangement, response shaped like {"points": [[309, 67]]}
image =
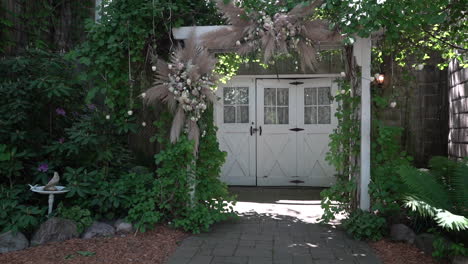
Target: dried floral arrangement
{"points": [[281, 33], [185, 85]]}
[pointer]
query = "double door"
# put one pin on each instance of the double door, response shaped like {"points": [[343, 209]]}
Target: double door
{"points": [[276, 131]]}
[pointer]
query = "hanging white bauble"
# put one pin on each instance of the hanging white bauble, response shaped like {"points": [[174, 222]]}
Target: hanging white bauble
{"points": [[107, 117], [153, 68], [393, 104], [130, 112]]}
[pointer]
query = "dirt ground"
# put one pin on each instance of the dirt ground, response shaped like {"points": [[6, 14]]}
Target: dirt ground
{"points": [[150, 247], [400, 253]]}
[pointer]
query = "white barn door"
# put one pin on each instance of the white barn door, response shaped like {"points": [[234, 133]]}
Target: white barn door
{"points": [[276, 143], [276, 131], [234, 115]]}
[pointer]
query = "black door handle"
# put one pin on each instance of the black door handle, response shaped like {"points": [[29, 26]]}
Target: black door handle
{"points": [[260, 128], [254, 130]]}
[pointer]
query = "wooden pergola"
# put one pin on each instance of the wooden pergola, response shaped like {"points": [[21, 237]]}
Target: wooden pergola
{"points": [[362, 56]]}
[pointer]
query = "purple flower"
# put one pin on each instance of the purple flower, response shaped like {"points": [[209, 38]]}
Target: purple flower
{"points": [[91, 106], [61, 140], [43, 167], [60, 111]]}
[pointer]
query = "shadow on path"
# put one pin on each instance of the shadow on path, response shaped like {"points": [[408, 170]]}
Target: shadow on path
{"points": [[275, 225]]}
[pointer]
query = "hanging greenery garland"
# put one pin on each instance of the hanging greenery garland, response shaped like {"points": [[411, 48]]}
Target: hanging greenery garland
{"points": [[185, 85], [281, 33]]}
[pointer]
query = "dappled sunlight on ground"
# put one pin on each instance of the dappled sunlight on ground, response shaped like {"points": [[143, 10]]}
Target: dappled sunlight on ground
{"points": [[299, 204]]}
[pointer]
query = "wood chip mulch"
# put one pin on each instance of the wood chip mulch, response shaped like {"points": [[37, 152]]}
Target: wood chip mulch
{"points": [[153, 247], [400, 253]]}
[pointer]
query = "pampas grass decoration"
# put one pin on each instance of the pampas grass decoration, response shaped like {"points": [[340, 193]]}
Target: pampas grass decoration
{"points": [[184, 84], [280, 34]]}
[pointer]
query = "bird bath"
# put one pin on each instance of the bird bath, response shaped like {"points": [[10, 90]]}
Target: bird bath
{"points": [[40, 189]]}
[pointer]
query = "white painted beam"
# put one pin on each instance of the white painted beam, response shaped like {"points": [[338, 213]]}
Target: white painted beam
{"points": [[362, 51]]}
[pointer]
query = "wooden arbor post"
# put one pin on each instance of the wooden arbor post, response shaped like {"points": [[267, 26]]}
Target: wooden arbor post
{"points": [[362, 52]]}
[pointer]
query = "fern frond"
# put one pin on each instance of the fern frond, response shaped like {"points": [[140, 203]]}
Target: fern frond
{"points": [[450, 221], [423, 208], [444, 218], [424, 186]]}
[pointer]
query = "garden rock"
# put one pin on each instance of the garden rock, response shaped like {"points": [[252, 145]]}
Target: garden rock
{"points": [[53, 230], [98, 229], [460, 260], [123, 227], [401, 232], [424, 242], [10, 241]]}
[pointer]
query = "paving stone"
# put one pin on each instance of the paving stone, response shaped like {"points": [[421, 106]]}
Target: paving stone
{"points": [[229, 260], [186, 252], [224, 250], [303, 260], [253, 252], [203, 251], [178, 260], [260, 260], [247, 243], [201, 260]]}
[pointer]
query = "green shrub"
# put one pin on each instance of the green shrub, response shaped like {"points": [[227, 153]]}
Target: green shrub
{"points": [[364, 225], [82, 217], [15, 213]]}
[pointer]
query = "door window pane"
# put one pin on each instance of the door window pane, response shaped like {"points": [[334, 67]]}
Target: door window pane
{"points": [[270, 97], [324, 115], [310, 96], [323, 95], [310, 115], [283, 96], [276, 106], [236, 104], [283, 115], [317, 105], [269, 115], [229, 114]]}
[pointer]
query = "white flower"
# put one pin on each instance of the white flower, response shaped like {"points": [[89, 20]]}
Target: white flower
{"points": [[343, 91], [130, 112], [189, 81], [153, 68], [193, 118], [143, 124], [107, 117], [171, 89], [176, 92], [238, 43], [169, 66], [393, 104], [143, 95], [343, 74], [372, 79], [420, 67]]}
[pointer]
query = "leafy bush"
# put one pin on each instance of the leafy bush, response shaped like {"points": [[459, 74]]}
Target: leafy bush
{"points": [[82, 217], [444, 248], [15, 213], [364, 225], [441, 193]]}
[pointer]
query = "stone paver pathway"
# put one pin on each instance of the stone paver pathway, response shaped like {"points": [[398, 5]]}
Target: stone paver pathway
{"points": [[274, 230]]}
